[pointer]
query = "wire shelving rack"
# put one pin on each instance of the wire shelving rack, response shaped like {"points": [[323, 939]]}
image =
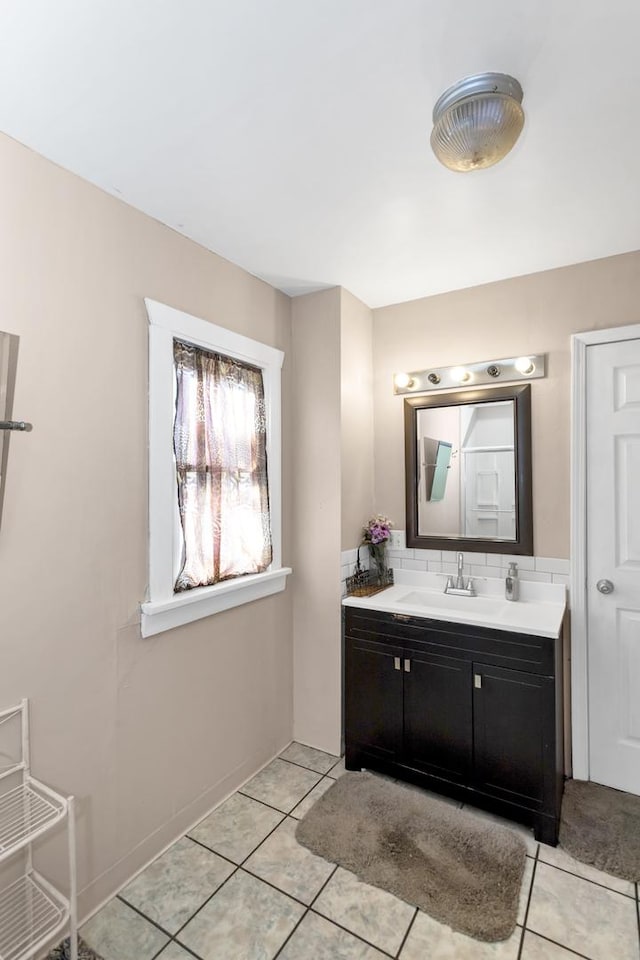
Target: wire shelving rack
{"points": [[32, 910]]}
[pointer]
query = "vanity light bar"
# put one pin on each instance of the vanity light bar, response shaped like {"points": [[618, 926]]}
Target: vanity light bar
{"points": [[528, 367]]}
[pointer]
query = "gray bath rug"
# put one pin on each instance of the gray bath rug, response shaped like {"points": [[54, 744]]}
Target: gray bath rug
{"points": [[62, 952], [461, 870], [601, 826]]}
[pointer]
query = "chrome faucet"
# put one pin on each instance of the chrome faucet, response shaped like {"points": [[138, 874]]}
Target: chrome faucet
{"points": [[459, 587]]}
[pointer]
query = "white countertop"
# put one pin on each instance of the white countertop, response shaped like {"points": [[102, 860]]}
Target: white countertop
{"points": [[539, 611]]}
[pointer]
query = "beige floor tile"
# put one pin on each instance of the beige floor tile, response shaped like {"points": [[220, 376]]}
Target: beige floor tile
{"points": [[558, 857], [525, 889], [535, 948], [430, 940], [236, 827], [309, 757], [246, 920], [281, 785], [373, 914], [337, 771], [283, 862], [172, 888], [175, 952], [119, 933], [598, 923], [319, 939], [305, 805]]}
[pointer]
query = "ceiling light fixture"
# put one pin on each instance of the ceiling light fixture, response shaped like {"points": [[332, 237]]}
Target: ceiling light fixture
{"points": [[477, 121]]}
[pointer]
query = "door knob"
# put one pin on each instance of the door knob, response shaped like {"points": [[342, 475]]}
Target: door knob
{"points": [[604, 586]]}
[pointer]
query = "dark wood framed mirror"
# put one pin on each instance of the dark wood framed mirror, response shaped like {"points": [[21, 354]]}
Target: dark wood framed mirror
{"points": [[468, 470]]}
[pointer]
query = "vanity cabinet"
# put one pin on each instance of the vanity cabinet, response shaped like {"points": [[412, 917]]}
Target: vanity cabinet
{"points": [[471, 712], [437, 716], [378, 666]]}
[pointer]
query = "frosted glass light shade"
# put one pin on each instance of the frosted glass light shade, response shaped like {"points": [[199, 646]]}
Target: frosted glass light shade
{"points": [[477, 121]]}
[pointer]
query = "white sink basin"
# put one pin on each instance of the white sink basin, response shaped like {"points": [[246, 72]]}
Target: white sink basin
{"points": [[485, 606], [538, 612]]}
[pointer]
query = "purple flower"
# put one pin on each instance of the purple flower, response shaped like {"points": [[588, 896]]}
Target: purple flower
{"points": [[377, 530]]}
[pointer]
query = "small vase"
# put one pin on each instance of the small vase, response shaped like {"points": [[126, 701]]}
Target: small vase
{"points": [[378, 554]]}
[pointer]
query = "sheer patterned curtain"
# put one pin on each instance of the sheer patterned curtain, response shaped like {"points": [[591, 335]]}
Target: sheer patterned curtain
{"points": [[221, 462]]}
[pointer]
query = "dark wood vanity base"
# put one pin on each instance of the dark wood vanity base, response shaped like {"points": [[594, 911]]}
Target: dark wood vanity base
{"points": [[470, 712]]}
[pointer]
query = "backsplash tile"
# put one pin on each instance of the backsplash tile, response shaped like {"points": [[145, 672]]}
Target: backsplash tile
{"points": [[551, 565], [504, 559], [413, 565], [480, 570], [533, 575], [540, 569], [349, 556], [401, 554], [431, 556]]}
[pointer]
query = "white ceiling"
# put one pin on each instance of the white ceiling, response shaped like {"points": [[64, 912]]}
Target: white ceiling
{"points": [[292, 136]]}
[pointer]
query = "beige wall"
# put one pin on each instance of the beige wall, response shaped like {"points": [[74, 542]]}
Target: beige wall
{"points": [[316, 519], [356, 404], [333, 493], [532, 314], [147, 734]]}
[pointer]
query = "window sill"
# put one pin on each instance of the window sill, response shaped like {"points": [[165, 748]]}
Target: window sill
{"points": [[160, 615]]}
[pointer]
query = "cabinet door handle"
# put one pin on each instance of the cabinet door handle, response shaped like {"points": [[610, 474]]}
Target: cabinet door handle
{"points": [[407, 666], [477, 680], [396, 663]]}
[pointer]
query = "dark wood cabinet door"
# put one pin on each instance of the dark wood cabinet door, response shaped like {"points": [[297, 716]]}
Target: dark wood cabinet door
{"points": [[513, 734], [373, 698], [438, 716]]}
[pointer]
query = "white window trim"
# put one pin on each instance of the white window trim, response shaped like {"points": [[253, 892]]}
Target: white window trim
{"points": [[165, 609]]}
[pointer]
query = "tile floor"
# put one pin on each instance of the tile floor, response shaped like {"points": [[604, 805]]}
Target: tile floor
{"points": [[239, 887]]}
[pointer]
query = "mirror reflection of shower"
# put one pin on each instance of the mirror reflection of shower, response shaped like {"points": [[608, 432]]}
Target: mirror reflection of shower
{"points": [[436, 462], [467, 483]]}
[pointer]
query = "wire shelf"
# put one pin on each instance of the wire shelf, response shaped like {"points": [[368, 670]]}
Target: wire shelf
{"points": [[29, 915], [32, 910], [26, 813]]}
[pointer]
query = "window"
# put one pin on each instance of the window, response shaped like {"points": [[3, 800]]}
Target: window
{"points": [[219, 441], [214, 470]]}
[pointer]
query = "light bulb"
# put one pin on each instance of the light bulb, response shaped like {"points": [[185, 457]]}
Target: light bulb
{"points": [[402, 381], [460, 375], [524, 365]]}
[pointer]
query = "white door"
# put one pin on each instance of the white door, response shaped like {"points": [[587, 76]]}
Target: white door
{"points": [[613, 562]]}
